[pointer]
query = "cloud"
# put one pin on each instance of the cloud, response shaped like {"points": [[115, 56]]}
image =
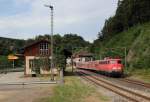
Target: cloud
{"points": [[76, 16]]}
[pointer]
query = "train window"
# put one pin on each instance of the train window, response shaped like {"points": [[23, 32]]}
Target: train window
{"points": [[113, 62], [103, 62]]}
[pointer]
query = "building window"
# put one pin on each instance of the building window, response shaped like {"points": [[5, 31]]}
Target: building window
{"points": [[44, 49]]}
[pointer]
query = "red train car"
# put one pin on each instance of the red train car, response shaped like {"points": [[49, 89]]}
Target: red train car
{"points": [[108, 65]]}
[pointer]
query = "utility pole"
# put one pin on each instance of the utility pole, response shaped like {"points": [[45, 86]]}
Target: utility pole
{"points": [[52, 65]]}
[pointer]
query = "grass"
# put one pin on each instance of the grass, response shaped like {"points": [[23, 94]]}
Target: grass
{"points": [[75, 91], [139, 74]]}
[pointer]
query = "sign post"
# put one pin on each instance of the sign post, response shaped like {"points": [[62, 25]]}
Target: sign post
{"points": [[12, 58]]}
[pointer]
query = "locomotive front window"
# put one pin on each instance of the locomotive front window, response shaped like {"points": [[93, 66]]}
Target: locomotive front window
{"points": [[113, 62]]}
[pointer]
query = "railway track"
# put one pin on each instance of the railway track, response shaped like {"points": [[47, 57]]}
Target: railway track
{"points": [[131, 81], [147, 85], [131, 95]]}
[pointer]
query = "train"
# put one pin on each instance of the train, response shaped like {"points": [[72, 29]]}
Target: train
{"points": [[108, 66]]}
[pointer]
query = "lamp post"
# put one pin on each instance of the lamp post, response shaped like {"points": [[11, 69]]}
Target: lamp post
{"points": [[51, 8]]}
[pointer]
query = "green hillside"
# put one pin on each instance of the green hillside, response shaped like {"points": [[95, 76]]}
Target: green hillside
{"points": [[137, 42], [127, 34]]}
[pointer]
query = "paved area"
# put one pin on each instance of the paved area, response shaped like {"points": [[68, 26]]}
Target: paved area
{"points": [[16, 77], [25, 94], [22, 93]]}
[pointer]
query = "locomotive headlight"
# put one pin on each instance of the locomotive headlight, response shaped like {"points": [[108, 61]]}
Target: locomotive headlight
{"points": [[119, 67], [114, 68]]}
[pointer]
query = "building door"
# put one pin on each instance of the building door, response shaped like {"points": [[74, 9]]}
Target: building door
{"points": [[32, 66]]}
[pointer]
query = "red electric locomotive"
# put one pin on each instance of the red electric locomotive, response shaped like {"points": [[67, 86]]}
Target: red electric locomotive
{"points": [[108, 65]]}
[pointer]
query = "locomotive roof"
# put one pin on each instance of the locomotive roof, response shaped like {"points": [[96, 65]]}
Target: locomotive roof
{"points": [[110, 59]]}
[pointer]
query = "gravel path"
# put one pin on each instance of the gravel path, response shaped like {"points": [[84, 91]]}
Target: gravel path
{"points": [[22, 93]]}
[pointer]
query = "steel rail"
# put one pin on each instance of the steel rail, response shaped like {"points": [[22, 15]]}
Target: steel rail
{"points": [[139, 95], [131, 81], [147, 85], [120, 88], [117, 92]]}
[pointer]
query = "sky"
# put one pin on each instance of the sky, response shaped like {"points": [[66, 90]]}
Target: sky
{"points": [[23, 19]]}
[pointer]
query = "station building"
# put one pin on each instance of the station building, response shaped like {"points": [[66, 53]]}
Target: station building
{"points": [[37, 58]]}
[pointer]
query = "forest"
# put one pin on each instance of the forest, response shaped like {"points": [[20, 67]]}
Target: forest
{"points": [[128, 14], [128, 30]]}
